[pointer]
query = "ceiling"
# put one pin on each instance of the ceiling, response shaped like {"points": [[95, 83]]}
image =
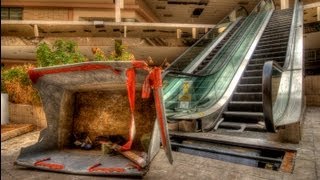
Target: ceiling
{"points": [[187, 11], [181, 11]]}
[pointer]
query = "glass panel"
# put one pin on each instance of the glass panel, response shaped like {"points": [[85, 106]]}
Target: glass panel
{"points": [[4, 13], [15, 13]]}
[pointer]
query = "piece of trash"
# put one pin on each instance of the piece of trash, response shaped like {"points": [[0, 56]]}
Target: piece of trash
{"points": [[128, 154]]}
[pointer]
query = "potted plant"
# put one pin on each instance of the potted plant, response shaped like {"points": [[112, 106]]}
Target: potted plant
{"points": [[21, 99]]}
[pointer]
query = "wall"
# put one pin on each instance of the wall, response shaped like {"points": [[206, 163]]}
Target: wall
{"points": [[47, 13], [27, 114], [311, 40], [312, 90]]}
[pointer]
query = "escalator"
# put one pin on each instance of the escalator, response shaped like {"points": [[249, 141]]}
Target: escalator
{"points": [[246, 104], [219, 67]]}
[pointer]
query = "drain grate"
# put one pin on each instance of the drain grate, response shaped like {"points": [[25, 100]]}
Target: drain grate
{"points": [[272, 159]]}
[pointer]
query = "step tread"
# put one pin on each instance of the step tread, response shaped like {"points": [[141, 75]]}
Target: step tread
{"points": [[243, 113], [246, 102]]}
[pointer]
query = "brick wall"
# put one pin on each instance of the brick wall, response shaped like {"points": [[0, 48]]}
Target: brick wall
{"points": [[47, 14]]}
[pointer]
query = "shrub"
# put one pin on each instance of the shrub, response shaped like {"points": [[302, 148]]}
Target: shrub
{"points": [[61, 52], [3, 89], [18, 85], [119, 54]]}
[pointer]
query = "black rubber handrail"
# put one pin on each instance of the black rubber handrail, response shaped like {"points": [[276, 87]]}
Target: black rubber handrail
{"points": [[267, 93]]}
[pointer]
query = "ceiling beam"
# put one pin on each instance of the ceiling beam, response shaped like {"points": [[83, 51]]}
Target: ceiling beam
{"points": [[64, 4], [312, 5]]}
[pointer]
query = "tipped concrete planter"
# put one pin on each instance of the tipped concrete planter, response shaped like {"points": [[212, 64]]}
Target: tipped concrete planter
{"points": [[4, 109]]}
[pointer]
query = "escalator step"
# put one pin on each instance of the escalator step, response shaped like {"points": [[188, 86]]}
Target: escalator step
{"points": [[286, 31], [247, 96], [275, 34], [283, 20], [270, 54], [249, 88], [275, 28], [251, 80], [252, 73], [249, 106], [272, 49], [270, 45], [272, 41], [274, 38], [279, 59], [248, 117]]}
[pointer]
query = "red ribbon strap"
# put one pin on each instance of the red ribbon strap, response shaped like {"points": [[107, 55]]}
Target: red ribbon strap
{"points": [[131, 89]]}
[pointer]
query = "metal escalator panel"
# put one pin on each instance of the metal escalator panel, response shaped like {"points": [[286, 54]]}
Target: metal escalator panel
{"points": [[202, 91], [287, 108]]}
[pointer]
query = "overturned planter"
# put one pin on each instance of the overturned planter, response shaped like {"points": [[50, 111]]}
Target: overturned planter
{"points": [[92, 98]]}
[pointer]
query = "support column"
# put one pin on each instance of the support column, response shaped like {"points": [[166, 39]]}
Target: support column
{"points": [[233, 16], [318, 13], [194, 33], [117, 11], [179, 33], [284, 4], [36, 30], [125, 31]]}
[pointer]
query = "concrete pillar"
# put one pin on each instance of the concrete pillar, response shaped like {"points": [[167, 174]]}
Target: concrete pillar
{"points": [[205, 32], [125, 31], [284, 4], [36, 30], [179, 33], [121, 4], [117, 10], [233, 16], [318, 13], [194, 33]]}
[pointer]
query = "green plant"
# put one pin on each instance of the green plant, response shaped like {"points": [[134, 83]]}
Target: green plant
{"points": [[61, 52], [3, 89], [120, 53], [18, 85], [98, 54]]}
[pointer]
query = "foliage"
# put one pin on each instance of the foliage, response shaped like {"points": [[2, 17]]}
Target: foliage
{"points": [[19, 86], [3, 89], [61, 52], [119, 54], [98, 54]]}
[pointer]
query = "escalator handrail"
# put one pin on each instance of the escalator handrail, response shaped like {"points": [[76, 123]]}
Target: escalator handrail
{"points": [[199, 40], [267, 93]]}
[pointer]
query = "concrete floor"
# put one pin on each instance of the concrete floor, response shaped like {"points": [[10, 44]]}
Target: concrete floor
{"points": [[306, 167]]}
